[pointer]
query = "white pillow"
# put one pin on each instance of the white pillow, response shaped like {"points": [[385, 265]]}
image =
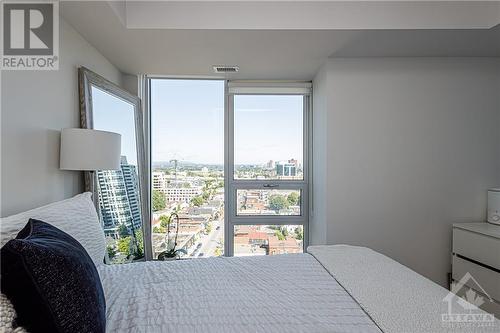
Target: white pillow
{"points": [[7, 317], [76, 216]]}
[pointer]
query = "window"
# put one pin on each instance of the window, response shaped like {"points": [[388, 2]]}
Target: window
{"points": [[268, 202], [268, 137], [232, 163], [267, 168], [187, 149]]}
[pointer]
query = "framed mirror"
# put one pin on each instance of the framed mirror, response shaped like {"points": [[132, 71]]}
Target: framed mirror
{"points": [[120, 195]]}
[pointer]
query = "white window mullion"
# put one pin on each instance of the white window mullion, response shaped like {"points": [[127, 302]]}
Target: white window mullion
{"points": [[228, 171]]}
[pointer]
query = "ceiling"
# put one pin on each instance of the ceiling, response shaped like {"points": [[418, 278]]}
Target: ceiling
{"points": [[155, 39]]}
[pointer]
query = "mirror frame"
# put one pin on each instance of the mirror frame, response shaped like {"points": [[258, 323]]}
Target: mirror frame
{"points": [[87, 79]]}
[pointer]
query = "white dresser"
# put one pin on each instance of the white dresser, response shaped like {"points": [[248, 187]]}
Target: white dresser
{"points": [[476, 250]]}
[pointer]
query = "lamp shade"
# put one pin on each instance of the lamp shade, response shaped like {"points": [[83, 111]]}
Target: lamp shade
{"points": [[89, 150]]}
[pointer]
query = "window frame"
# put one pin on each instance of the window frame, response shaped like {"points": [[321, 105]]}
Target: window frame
{"points": [[231, 217]]}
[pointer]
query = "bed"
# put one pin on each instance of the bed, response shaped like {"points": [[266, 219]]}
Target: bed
{"points": [[287, 293], [336, 288]]}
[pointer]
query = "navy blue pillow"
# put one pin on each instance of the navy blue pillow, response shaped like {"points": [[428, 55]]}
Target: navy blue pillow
{"points": [[52, 282]]}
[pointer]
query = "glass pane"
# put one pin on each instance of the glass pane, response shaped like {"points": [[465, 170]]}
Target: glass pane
{"points": [[268, 137], [252, 240], [187, 121], [119, 196], [268, 202]]}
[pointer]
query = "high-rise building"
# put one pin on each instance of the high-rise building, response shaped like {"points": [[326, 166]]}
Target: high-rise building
{"points": [[286, 169], [130, 177], [119, 198]]}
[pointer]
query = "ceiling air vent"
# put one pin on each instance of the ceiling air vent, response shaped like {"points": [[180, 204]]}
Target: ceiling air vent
{"points": [[225, 69]]}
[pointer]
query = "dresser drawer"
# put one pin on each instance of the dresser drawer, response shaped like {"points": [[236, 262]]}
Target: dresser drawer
{"points": [[490, 307], [482, 248], [488, 279]]}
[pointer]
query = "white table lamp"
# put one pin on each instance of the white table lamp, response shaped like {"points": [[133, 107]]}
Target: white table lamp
{"points": [[89, 150]]}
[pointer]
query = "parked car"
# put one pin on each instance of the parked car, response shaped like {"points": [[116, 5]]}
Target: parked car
{"points": [[201, 254]]}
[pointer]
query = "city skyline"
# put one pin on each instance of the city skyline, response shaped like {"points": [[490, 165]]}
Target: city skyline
{"points": [[159, 164]]}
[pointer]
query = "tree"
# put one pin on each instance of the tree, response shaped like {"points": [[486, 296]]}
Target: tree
{"points": [[284, 231], [164, 221], [208, 183], [293, 199], [279, 234], [158, 230], [123, 245], [123, 230], [197, 201], [159, 202], [278, 202], [208, 228], [217, 252], [111, 252], [299, 233], [139, 238], [206, 194]]}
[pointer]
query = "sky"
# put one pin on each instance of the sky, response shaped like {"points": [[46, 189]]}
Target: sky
{"points": [[113, 114], [187, 120]]}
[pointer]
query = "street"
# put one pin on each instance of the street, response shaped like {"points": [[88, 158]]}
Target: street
{"points": [[209, 242]]}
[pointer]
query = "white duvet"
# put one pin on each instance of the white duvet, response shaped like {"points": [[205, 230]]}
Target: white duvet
{"points": [[338, 288], [286, 293]]}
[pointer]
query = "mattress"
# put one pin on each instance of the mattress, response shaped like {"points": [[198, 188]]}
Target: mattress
{"points": [[284, 293]]}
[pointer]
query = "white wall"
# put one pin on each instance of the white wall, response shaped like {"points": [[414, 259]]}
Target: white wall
{"points": [[412, 144], [35, 106], [130, 83], [317, 223]]}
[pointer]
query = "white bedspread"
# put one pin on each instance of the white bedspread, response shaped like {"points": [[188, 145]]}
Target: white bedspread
{"points": [[397, 298], [286, 293]]}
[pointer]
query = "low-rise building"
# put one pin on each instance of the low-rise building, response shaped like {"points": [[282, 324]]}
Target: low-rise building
{"points": [[182, 194], [287, 245]]}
